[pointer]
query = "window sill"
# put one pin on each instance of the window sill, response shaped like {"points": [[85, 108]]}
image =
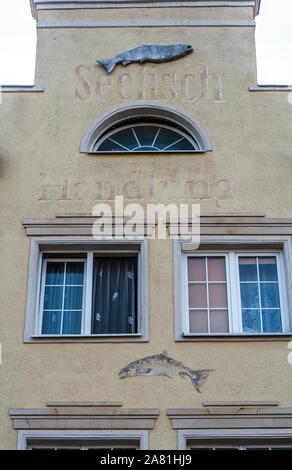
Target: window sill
{"points": [[162, 152], [235, 337], [261, 88], [115, 338], [21, 89]]}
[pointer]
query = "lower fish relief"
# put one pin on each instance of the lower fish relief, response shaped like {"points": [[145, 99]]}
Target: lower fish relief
{"points": [[161, 364]]}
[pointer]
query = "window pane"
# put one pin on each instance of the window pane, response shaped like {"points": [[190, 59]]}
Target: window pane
{"points": [[272, 321], [126, 138], [268, 268], [197, 296], [72, 323], [251, 321], [216, 269], [270, 296], [217, 295], [247, 269], [73, 298], [249, 295], [53, 298], [74, 273], [166, 137], [55, 273], [51, 323], [219, 321], [110, 146], [114, 295], [196, 269], [145, 135], [153, 138], [184, 144], [198, 321]]}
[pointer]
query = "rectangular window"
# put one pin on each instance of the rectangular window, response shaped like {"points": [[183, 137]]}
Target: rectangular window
{"points": [[239, 444], [86, 290], [80, 444], [207, 291], [234, 292], [62, 297], [82, 439], [259, 293], [96, 295], [114, 295]]}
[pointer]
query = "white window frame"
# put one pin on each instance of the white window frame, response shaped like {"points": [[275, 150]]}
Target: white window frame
{"points": [[281, 283], [231, 248], [34, 308], [39, 319], [183, 436], [143, 109], [46, 435], [185, 300], [112, 132]]}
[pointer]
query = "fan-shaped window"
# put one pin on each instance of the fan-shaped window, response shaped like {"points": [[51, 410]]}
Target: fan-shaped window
{"points": [[146, 138], [145, 127]]}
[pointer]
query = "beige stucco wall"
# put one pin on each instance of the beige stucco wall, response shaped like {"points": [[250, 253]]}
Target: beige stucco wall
{"points": [[249, 170]]}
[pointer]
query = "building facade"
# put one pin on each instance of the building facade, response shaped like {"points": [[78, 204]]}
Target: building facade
{"points": [[135, 340]]}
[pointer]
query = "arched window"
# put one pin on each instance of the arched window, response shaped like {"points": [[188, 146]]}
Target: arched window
{"points": [[146, 137], [145, 127]]}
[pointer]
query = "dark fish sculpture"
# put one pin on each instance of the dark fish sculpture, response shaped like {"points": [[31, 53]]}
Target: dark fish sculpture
{"points": [[161, 364], [147, 53]]}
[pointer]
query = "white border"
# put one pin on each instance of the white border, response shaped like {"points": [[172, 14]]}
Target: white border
{"points": [[85, 300], [24, 436], [185, 307], [141, 109], [183, 435], [33, 290], [224, 242]]}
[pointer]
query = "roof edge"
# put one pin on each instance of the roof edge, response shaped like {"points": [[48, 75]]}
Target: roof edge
{"points": [[257, 7]]}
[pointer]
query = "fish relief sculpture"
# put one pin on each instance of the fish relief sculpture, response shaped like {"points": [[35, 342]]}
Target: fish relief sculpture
{"points": [[161, 364], [147, 53]]}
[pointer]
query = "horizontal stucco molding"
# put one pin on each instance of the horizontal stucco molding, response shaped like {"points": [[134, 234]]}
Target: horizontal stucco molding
{"points": [[270, 403], [52, 4], [239, 417], [142, 24], [84, 418], [232, 410], [84, 423], [83, 403], [81, 227], [93, 411], [232, 422], [209, 225], [37, 5]]}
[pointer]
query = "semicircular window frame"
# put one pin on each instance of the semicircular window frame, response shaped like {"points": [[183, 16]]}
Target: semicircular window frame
{"points": [[142, 113], [138, 141]]}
